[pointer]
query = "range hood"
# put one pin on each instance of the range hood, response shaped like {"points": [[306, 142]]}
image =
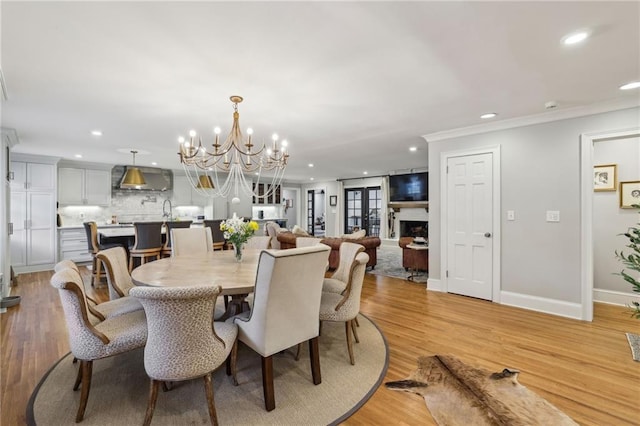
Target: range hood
{"points": [[157, 179]]}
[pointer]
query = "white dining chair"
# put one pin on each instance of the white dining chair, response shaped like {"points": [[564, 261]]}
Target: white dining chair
{"points": [[307, 241], [258, 242], [190, 241]]}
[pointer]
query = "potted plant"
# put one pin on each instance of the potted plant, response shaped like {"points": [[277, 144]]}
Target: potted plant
{"points": [[632, 261]]}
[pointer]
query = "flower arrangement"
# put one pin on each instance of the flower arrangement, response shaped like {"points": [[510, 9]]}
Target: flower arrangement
{"points": [[238, 232]]}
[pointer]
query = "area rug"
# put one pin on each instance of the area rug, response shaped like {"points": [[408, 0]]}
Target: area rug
{"points": [[389, 264], [634, 343], [458, 394], [120, 386]]}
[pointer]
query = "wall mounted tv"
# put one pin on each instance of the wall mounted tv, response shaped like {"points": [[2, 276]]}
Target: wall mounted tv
{"points": [[413, 187]]}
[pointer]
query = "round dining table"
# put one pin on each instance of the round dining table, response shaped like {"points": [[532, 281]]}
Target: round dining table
{"points": [[237, 279]]}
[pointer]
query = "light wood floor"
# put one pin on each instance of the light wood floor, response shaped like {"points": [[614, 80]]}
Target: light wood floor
{"points": [[585, 369]]}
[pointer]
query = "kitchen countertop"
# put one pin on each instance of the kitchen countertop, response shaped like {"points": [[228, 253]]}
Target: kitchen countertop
{"points": [[114, 225], [267, 220]]}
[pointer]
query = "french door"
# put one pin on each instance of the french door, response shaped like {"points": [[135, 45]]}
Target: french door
{"points": [[362, 210]]}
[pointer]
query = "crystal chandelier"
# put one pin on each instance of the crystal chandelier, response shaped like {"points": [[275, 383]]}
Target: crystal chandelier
{"points": [[234, 165]]}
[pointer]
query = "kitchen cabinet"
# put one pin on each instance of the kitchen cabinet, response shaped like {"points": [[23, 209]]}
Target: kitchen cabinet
{"points": [[72, 245], [185, 195], [274, 198], [32, 226], [78, 186]]}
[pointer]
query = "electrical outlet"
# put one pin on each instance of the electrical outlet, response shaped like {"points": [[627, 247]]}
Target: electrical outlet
{"points": [[553, 216], [81, 215], [511, 215]]}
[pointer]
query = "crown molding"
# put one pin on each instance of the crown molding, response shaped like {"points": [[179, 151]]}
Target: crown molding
{"points": [[529, 120]]}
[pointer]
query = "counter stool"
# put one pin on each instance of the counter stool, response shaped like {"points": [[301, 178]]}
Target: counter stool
{"points": [[94, 246], [166, 249], [219, 242], [148, 242]]}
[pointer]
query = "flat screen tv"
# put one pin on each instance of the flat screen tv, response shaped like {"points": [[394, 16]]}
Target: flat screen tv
{"points": [[413, 187]]}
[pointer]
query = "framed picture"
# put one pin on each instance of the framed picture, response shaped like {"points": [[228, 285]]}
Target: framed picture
{"points": [[333, 200], [629, 194], [605, 177]]}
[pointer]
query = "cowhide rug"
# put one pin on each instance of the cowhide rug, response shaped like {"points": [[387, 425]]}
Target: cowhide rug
{"points": [[457, 394]]}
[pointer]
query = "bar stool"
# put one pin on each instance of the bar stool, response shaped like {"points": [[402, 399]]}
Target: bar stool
{"points": [[166, 249], [148, 242], [219, 242], [94, 246]]}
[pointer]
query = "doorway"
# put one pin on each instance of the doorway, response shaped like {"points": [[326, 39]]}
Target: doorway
{"points": [[471, 223], [362, 210], [316, 223]]}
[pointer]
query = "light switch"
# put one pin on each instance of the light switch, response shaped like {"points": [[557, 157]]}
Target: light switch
{"points": [[553, 216], [511, 215]]}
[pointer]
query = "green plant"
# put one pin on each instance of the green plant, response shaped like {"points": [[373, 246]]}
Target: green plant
{"points": [[632, 261]]}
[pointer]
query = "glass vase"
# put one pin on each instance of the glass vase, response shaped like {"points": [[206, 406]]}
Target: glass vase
{"points": [[238, 251]]}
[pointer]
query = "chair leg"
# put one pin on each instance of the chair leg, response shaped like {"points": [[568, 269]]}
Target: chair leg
{"points": [[314, 355], [357, 322], [232, 367], [355, 332], [94, 262], [130, 264], [208, 388], [151, 405], [87, 368], [76, 385], [298, 351], [97, 272], [267, 383], [349, 341]]}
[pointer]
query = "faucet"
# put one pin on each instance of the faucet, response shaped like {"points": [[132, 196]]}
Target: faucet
{"points": [[166, 214]]}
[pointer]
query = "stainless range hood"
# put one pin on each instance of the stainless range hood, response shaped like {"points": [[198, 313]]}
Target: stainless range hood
{"points": [[157, 179]]}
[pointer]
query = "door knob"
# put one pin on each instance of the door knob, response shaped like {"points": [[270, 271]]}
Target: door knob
{"points": [[487, 234]]}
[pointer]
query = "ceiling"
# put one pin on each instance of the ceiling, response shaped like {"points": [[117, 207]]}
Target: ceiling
{"points": [[352, 86]]}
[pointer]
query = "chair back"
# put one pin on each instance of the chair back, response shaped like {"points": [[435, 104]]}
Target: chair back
{"points": [[118, 277], [272, 229], [148, 235], [259, 242], [83, 337], [181, 342], [286, 299], [174, 225], [91, 228], [191, 241], [348, 253], [216, 233], [307, 241], [349, 306]]}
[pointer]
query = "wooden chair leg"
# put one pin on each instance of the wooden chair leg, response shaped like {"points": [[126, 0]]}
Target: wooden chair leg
{"points": [[208, 388], [232, 366], [94, 261], [151, 405], [87, 368], [130, 264], [355, 332], [98, 271], [349, 341], [298, 351], [267, 383], [314, 355], [76, 385], [356, 320], [166, 386]]}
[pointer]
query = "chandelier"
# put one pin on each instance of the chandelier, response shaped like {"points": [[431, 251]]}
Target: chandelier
{"points": [[234, 165]]}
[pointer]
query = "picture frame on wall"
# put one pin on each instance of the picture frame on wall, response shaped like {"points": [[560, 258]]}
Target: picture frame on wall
{"points": [[605, 177], [629, 194], [333, 200]]}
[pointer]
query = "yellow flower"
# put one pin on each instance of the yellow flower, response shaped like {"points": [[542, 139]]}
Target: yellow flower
{"points": [[254, 225], [231, 230]]}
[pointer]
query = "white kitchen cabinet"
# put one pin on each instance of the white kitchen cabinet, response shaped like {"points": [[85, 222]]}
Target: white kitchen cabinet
{"points": [[185, 195], [32, 225], [72, 244], [78, 186]]}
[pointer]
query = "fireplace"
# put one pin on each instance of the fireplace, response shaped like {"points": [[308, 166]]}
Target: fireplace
{"points": [[414, 228]]}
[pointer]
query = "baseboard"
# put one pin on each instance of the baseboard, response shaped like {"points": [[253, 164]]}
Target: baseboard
{"points": [[614, 297], [33, 268], [434, 284], [542, 304]]}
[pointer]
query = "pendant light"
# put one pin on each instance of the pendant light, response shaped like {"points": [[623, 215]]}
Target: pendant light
{"points": [[133, 178], [205, 182]]}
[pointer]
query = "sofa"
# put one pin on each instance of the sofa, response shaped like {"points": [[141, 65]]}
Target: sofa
{"points": [[287, 240], [413, 259]]}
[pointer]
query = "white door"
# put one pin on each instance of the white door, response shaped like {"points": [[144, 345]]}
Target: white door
{"points": [[70, 186], [41, 228], [469, 233], [18, 239]]}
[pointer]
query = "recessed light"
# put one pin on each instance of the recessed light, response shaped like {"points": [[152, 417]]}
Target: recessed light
{"points": [[574, 38], [78, 155], [310, 178], [96, 132], [629, 86], [413, 149], [154, 163], [488, 115], [365, 172], [310, 164]]}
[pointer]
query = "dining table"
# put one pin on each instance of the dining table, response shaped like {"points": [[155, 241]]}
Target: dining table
{"points": [[221, 267]]}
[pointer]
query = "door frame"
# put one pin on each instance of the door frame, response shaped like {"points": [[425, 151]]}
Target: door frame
{"points": [[444, 221], [586, 210]]}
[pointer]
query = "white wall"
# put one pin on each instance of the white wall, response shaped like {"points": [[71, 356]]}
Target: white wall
{"points": [[609, 220], [540, 171]]}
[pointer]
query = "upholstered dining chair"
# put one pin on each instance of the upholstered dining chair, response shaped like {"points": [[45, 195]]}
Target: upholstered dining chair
{"points": [[286, 299], [307, 241], [118, 275], [148, 242], [219, 242], [104, 310], [190, 241], [258, 242], [89, 342], [338, 280], [272, 229], [345, 307], [166, 248], [94, 246], [183, 342]]}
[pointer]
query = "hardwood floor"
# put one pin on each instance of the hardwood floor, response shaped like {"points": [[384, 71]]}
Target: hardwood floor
{"points": [[584, 369]]}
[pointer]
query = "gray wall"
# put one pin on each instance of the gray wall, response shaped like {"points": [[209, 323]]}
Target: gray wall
{"points": [[609, 220], [539, 171]]}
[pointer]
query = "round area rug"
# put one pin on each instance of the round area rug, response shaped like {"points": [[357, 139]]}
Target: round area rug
{"points": [[120, 387]]}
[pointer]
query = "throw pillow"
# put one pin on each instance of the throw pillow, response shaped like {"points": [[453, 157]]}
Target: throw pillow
{"points": [[356, 235], [299, 231]]}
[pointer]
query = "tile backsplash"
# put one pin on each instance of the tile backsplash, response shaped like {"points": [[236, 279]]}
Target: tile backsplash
{"points": [[128, 207]]}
